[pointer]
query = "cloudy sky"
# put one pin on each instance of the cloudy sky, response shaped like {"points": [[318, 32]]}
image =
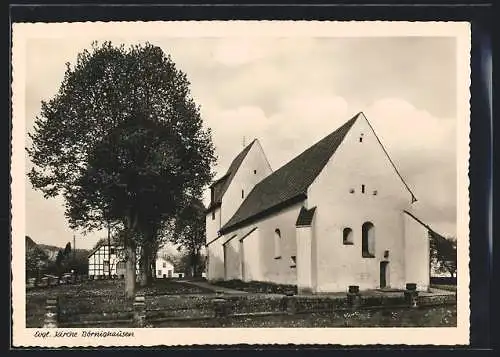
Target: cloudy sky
{"points": [[289, 93]]}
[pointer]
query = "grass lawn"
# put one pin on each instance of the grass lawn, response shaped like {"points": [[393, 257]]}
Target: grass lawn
{"points": [[98, 298], [257, 286], [444, 287]]}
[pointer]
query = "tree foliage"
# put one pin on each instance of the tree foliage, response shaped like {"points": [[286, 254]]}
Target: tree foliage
{"points": [[121, 141], [36, 260], [122, 133], [189, 233], [443, 253]]}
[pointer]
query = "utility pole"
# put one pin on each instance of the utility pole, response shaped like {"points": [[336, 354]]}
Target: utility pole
{"points": [[109, 250], [74, 248]]}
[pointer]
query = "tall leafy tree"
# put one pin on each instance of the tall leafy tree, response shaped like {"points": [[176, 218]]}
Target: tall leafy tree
{"points": [[36, 259], [189, 233], [67, 251], [443, 253], [122, 141]]}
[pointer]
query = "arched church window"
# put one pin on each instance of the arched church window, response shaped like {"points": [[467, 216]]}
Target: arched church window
{"points": [[368, 240], [277, 244], [347, 236]]}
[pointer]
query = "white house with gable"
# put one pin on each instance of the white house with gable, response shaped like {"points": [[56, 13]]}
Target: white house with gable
{"points": [[338, 214], [109, 260], [164, 268]]}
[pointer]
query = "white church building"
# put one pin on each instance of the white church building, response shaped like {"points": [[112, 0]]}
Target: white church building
{"points": [[338, 214]]}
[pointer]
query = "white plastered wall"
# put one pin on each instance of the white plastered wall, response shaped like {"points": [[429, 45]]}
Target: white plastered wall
{"points": [[355, 164]]}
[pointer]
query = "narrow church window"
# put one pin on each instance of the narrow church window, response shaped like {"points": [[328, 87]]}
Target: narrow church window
{"points": [[277, 244], [255, 172], [361, 138], [213, 215], [368, 240], [347, 236], [362, 188], [242, 194], [293, 259]]}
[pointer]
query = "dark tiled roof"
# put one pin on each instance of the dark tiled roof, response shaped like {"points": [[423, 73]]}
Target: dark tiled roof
{"points": [[99, 247], [305, 217], [423, 224], [220, 186], [291, 180]]}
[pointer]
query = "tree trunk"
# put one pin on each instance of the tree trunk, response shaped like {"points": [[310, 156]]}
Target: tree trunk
{"points": [[130, 267], [145, 264], [194, 263], [153, 265], [130, 251]]}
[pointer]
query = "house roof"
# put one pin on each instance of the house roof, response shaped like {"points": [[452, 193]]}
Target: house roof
{"points": [[305, 217], [220, 185], [423, 224], [98, 247], [289, 182]]}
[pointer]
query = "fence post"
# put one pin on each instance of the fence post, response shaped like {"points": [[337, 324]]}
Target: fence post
{"points": [[221, 307], [140, 310], [353, 296], [51, 318], [291, 305], [411, 294]]}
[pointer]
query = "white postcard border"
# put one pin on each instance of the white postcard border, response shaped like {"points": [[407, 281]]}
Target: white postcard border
{"points": [[25, 337]]}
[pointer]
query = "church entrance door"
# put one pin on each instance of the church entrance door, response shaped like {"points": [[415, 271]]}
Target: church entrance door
{"points": [[384, 274]]}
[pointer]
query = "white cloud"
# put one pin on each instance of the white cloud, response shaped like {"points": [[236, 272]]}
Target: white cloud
{"points": [[423, 148], [237, 51], [290, 93]]}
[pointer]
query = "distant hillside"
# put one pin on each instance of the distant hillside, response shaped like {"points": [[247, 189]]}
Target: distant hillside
{"points": [[30, 244], [51, 250]]}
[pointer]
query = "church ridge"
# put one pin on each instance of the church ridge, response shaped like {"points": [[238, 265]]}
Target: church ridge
{"points": [[220, 185], [291, 180]]}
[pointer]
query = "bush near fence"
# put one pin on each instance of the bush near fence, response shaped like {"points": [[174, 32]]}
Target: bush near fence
{"points": [[443, 280]]}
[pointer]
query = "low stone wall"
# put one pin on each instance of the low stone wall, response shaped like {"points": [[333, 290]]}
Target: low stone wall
{"points": [[145, 311]]}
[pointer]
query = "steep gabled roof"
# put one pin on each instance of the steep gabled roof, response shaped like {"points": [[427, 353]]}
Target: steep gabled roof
{"points": [[305, 217], [291, 181], [221, 185], [425, 225], [99, 247]]}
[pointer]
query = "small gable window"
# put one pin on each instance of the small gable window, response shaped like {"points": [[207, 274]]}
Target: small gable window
{"points": [[368, 240], [347, 236], [361, 138], [277, 244]]}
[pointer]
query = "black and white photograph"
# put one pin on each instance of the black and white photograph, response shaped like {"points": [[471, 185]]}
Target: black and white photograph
{"points": [[269, 182]]}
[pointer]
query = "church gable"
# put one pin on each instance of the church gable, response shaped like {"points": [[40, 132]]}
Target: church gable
{"points": [[220, 186], [288, 184], [361, 172]]}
